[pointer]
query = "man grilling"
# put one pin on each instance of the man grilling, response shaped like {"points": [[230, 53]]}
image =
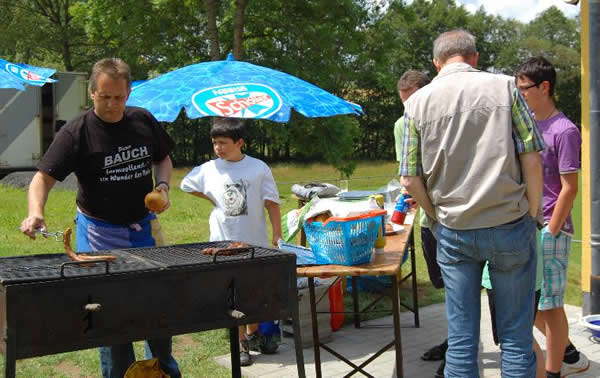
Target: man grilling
{"points": [[113, 150]]}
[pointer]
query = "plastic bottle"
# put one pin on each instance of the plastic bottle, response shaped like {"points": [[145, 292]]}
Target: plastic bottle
{"points": [[380, 242], [401, 209]]}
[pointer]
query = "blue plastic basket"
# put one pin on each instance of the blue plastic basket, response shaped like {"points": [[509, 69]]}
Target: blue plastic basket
{"points": [[344, 241]]}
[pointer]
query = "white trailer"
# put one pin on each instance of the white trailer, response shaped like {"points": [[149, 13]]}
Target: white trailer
{"points": [[29, 119]]}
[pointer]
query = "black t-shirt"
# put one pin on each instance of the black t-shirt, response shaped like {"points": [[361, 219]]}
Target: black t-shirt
{"points": [[112, 161]]}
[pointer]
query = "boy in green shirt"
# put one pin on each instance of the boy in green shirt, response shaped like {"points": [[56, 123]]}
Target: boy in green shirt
{"points": [[408, 84]]}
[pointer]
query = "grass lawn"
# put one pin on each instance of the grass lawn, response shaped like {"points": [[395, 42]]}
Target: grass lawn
{"points": [[187, 221]]}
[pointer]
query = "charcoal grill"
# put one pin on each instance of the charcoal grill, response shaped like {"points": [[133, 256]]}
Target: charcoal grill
{"points": [[49, 304]]}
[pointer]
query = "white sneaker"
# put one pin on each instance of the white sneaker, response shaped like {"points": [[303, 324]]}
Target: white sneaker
{"points": [[575, 368]]}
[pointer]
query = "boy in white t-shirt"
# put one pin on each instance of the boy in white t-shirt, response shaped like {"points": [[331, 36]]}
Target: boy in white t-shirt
{"points": [[240, 187]]}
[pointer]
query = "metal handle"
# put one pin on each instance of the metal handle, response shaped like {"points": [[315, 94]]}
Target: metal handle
{"points": [[236, 314], [82, 263], [239, 251], [92, 307]]}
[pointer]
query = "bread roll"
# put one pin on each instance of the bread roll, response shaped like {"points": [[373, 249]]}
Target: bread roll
{"points": [[321, 217], [156, 200]]}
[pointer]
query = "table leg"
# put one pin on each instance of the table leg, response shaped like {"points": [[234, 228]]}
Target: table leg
{"points": [[234, 348], [397, 335], [413, 266], [315, 326], [355, 302]]}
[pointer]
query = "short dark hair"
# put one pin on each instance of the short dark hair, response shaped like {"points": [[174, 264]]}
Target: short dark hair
{"points": [[114, 67], [538, 69], [412, 79], [228, 127]]}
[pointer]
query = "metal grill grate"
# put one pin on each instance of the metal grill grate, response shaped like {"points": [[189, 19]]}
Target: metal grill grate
{"points": [[191, 254], [48, 267]]}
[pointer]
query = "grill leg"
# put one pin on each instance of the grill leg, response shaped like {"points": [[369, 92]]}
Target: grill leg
{"points": [[10, 359], [234, 348], [297, 336], [315, 326]]}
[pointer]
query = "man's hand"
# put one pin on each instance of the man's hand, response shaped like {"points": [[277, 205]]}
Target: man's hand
{"points": [[564, 203], [162, 177], [412, 203], [31, 224], [416, 188], [164, 189], [40, 185]]}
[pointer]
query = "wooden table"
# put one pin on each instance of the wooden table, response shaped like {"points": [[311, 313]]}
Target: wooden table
{"points": [[387, 263]]}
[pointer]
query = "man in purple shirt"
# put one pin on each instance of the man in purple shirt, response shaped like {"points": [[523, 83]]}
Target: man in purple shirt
{"points": [[536, 79]]}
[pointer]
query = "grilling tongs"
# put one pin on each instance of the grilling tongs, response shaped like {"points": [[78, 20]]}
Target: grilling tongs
{"points": [[58, 235]]}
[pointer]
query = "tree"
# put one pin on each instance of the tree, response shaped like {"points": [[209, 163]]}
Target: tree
{"points": [[43, 32], [153, 36], [398, 40], [356, 49], [213, 32], [238, 29], [556, 37]]}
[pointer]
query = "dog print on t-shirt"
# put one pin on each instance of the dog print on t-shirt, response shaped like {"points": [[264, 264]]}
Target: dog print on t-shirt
{"points": [[234, 198]]}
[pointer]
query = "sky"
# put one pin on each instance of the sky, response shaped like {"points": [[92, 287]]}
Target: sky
{"points": [[522, 10]]}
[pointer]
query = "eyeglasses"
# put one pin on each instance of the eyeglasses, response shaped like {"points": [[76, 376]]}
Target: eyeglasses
{"points": [[529, 86]]}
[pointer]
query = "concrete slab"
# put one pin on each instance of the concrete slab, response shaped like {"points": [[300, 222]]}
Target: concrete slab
{"points": [[359, 344]]}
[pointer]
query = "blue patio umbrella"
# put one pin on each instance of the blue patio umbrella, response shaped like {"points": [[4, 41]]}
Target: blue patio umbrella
{"points": [[235, 89], [135, 83], [15, 75]]}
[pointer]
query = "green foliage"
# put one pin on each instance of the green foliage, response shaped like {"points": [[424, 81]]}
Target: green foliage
{"points": [[150, 35], [556, 37], [194, 145], [42, 33], [355, 49], [330, 138]]}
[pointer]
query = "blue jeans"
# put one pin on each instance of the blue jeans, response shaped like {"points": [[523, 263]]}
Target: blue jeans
{"points": [[511, 252], [116, 359], [96, 235]]}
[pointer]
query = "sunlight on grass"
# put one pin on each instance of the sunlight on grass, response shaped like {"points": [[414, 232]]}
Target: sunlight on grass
{"points": [[187, 221]]}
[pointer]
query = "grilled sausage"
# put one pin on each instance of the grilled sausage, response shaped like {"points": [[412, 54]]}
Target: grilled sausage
{"points": [[81, 257], [211, 251]]}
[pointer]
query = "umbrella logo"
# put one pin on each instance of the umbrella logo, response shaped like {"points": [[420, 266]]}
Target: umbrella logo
{"points": [[24, 74], [239, 100]]}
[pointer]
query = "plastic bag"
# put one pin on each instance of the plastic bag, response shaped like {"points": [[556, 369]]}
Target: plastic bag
{"points": [[312, 189], [269, 327], [304, 256], [145, 369]]}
